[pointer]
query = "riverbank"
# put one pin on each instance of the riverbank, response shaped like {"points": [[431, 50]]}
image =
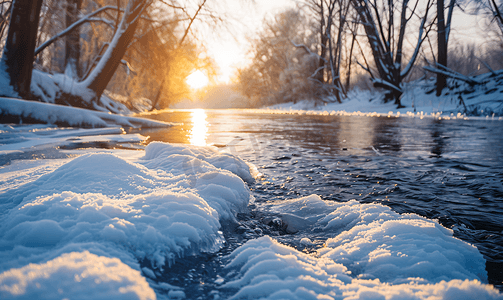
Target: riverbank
{"points": [[484, 101]]}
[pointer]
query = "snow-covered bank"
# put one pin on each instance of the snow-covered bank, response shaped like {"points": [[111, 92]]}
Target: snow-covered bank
{"points": [[38, 112], [484, 101], [80, 217]]}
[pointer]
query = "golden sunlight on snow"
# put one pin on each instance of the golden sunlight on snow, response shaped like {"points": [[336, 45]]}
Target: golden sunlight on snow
{"points": [[197, 80], [199, 130]]}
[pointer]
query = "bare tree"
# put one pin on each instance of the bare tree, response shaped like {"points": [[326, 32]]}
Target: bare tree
{"points": [[156, 30], [318, 7], [386, 39], [332, 18]]}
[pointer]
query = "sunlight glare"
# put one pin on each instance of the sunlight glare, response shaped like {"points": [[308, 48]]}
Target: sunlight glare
{"points": [[197, 80], [199, 129]]}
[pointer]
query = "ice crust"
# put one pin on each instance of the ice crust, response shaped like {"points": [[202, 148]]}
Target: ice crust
{"points": [[158, 208], [373, 253]]}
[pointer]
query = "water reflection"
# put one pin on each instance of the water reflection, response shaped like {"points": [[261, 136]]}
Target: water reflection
{"points": [[438, 139], [387, 134], [199, 131]]}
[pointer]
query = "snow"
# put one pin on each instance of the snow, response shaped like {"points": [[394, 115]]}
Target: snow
{"points": [[69, 116], [101, 207], [270, 270], [484, 101], [5, 87], [76, 275], [371, 253]]}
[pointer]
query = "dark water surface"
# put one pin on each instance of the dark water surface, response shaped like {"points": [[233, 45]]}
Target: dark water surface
{"points": [[450, 170]]}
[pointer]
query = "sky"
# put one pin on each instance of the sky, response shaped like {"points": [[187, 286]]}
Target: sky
{"points": [[229, 47]]}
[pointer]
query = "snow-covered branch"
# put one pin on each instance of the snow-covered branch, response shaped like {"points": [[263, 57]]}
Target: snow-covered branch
{"points": [[452, 74], [378, 82], [308, 51]]}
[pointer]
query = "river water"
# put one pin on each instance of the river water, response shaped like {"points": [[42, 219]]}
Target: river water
{"points": [[450, 170]]}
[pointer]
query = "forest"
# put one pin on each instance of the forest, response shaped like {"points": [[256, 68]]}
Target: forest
{"points": [[135, 55]]}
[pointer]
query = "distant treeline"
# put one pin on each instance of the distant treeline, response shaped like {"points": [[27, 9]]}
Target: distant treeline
{"points": [[323, 48]]}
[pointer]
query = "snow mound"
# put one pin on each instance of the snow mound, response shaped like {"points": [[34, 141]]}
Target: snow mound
{"points": [[120, 208], [76, 275], [303, 213], [370, 252], [379, 243], [158, 226], [269, 270], [372, 241]]}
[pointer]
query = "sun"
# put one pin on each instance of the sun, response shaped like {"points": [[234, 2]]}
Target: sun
{"points": [[197, 80]]}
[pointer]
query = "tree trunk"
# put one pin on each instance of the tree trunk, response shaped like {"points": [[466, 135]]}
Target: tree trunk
{"points": [[373, 38], [348, 74], [72, 43], [20, 45], [442, 46], [320, 76]]}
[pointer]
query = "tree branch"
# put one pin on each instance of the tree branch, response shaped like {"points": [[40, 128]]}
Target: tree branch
{"points": [[452, 74], [192, 21]]}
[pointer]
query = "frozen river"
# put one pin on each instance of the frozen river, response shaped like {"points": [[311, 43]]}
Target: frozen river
{"points": [[450, 170]]}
